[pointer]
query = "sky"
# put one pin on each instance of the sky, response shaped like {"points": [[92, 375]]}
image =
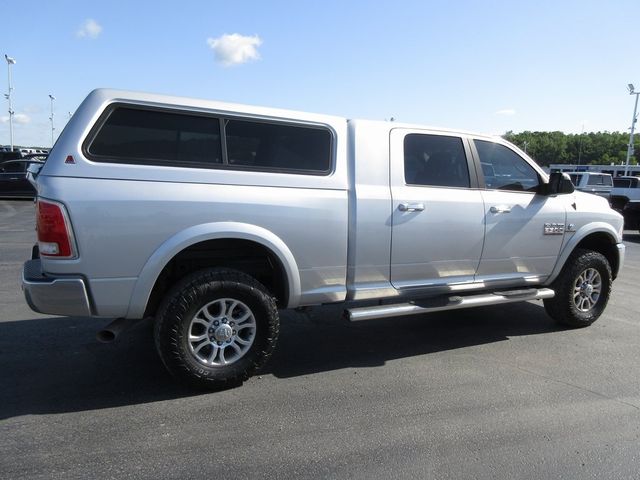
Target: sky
{"points": [[489, 67]]}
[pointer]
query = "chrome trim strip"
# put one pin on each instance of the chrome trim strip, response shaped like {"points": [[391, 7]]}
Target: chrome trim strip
{"points": [[402, 309]]}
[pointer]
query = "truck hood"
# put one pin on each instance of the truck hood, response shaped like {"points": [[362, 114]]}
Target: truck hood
{"points": [[590, 201], [586, 208]]}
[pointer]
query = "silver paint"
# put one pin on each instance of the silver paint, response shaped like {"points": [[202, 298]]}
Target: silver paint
{"points": [[357, 233]]}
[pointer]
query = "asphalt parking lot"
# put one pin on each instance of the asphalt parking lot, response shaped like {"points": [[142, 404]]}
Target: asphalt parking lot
{"points": [[495, 392]]}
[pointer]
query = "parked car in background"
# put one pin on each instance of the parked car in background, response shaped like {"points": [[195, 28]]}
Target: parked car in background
{"points": [[624, 189], [13, 174], [593, 182], [625, 198]]}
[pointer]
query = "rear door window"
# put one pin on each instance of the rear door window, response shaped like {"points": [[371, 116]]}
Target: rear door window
{"points": [[435, 160]]}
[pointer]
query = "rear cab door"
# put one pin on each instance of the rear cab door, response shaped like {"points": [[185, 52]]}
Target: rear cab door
{"points": [[437, 210]]}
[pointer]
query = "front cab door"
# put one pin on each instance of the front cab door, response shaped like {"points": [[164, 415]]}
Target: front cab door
{"points": [[524, 230]]}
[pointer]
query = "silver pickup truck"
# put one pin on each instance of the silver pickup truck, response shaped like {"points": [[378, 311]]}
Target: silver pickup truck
{"points": [[210, 217]]}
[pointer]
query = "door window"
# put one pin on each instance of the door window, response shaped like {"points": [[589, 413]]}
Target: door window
{"points": [[435, 160], [509, 170]]}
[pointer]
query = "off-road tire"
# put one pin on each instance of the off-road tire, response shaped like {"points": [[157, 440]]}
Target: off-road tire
{"points": [[183, 302], [562, 308]]}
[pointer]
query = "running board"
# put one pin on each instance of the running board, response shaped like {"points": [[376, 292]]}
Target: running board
{"points": [[447, 303]]}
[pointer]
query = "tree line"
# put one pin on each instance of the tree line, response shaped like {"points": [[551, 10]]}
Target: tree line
{"points": [[601, 148]]}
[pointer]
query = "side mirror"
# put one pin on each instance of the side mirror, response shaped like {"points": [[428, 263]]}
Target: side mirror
{"points": [[559, 184]]}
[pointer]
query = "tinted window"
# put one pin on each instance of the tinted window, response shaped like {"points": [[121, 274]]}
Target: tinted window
{"points": [[13, 167], [487, 170], [435, 160], [149, 136], [271, 146], [622, 182], [575, 178], [599, 180], [511, 172]]}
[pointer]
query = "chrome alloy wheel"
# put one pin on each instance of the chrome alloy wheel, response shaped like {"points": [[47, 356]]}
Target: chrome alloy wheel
{"points": [[222, 332], [587, 289]]}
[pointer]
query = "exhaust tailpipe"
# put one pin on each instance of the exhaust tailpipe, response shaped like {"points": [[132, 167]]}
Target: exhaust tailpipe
{"points": [[112, 331]]}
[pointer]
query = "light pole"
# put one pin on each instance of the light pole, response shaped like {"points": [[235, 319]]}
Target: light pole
{"points": [[51, 118], [10, 61], [580, 144], [630, 149]]}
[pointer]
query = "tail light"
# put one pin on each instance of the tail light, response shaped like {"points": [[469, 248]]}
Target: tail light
{"points": [[55, 238]]}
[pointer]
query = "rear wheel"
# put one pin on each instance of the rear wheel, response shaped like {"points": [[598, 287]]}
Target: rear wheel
{"points": [[582, 289], [216, 328]]}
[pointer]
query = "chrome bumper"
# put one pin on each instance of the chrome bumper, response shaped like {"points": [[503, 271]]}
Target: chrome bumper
{"points": [[66, 296]]}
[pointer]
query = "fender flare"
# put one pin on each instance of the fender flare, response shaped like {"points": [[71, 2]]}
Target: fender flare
{"points": [[582, 233], [211, 231]]}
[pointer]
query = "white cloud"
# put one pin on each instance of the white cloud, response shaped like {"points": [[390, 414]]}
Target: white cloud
{"points": [[19, 118], [90, 29], [33, 109], [22, 118], [506, 111], [235, 49]]}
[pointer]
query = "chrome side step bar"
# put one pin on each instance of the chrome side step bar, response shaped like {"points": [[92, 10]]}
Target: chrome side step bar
{"points": [[451, 303]]}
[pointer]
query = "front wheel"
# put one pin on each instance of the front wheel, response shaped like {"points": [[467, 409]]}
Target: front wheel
{"points": [[216, 328], [582, 289]]}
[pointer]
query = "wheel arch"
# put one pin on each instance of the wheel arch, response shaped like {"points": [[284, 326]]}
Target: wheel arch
{"points": [[599, 237], [198, 234]]}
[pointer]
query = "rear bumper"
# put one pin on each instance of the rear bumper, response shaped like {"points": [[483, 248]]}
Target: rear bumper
{"points": [[66, 296]]}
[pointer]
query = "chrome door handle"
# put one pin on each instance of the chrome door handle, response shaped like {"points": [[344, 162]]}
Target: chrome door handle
{"points": [[411, 207], [500, 209]]}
